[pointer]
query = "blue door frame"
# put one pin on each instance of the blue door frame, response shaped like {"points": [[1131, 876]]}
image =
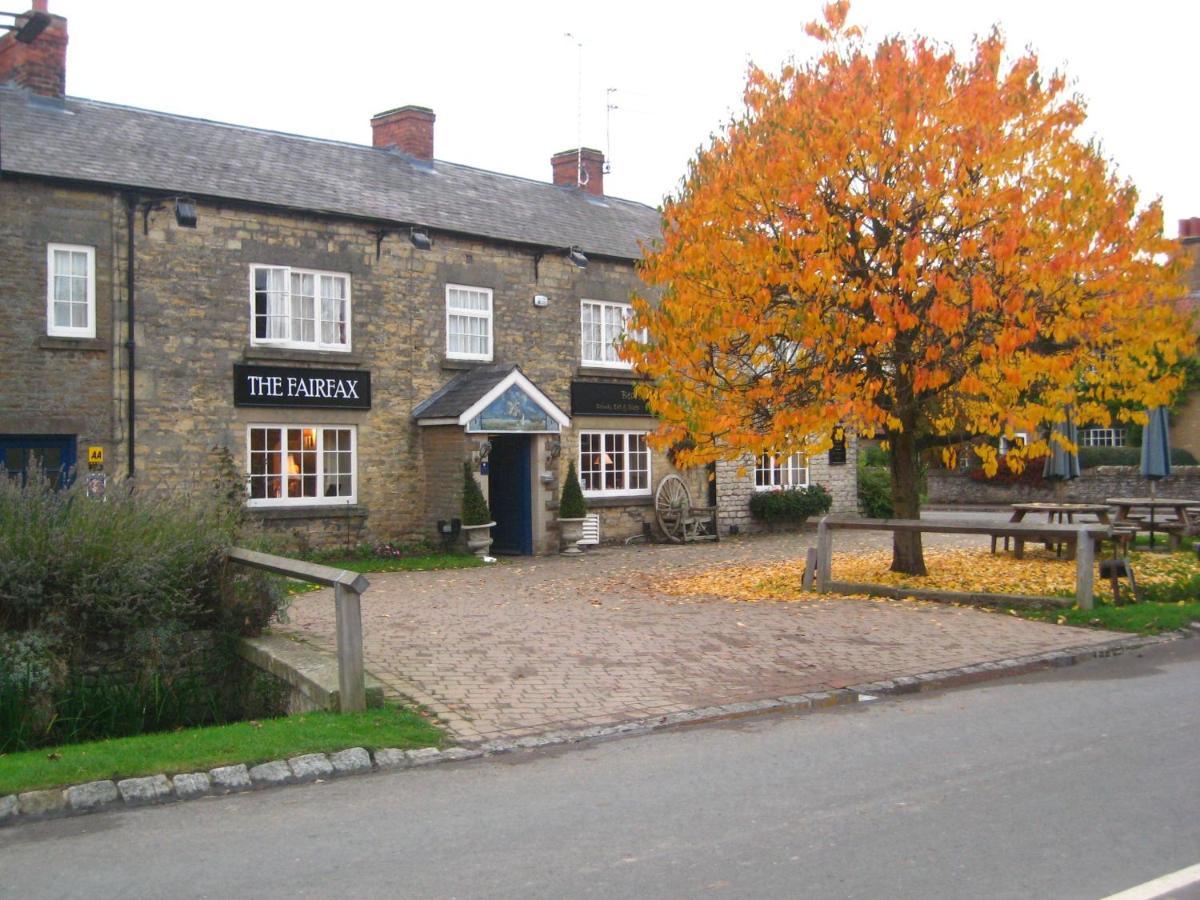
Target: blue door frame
{"points": [[510, 492]]}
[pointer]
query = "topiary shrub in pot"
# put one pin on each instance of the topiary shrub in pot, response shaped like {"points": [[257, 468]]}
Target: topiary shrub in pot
{"points": [[792, 506], [572, 510], [476, 517]]}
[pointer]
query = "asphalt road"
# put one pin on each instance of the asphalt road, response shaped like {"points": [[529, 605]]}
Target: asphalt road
{"points": [[1076, 783]]}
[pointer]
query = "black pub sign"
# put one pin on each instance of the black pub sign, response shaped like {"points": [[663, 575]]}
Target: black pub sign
{"points": [[291, 386], [605, 398]]}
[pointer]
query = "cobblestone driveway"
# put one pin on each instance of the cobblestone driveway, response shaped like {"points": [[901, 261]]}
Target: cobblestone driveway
{"points": [[537, 644]]}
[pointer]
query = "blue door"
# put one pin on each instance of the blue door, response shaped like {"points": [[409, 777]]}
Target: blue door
{"points": [[54, 454], [510, 494]]}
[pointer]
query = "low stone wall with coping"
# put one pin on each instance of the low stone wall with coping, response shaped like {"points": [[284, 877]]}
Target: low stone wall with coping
{"points": [[1094, 485]]}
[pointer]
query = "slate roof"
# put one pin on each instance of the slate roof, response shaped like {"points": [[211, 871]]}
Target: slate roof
{"points": [[461, 392], [104, 143]]}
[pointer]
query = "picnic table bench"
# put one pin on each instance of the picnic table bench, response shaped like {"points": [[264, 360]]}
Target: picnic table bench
{"points": [[1082, 537]]}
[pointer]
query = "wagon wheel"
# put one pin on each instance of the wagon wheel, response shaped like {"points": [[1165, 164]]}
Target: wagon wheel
{"points": [[672, 504]]}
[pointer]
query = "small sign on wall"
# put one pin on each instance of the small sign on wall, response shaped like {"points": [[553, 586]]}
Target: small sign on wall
{"points": [[837, 451], [95, 457]]}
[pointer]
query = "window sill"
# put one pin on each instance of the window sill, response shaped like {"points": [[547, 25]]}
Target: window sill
{"points": [[462, 365], [89, 345], [284, 513], [586, 371], [288, 354]]}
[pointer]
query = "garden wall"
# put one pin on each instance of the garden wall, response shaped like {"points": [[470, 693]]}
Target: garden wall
{"points": [[1092, 486]]}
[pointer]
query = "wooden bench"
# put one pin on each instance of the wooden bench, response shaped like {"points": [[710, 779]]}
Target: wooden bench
{"points": [[1082, 537]]}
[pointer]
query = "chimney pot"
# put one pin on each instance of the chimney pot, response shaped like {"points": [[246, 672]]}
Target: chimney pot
{"points": [[408, 129], [565, 168]]}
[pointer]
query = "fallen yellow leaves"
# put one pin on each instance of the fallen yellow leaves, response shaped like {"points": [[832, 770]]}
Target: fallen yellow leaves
{"points": [[969, 570]]}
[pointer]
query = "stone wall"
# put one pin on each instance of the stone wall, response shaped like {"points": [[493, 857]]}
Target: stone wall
{"points": [[1094, 485], [735, 487], [56, 385]]}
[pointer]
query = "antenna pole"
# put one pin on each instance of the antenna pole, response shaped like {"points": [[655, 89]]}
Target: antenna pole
{"points": [[578, 111], [608, 108]]}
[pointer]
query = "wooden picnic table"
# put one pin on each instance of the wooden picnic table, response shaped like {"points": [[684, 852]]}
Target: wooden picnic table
{"points": [[1173, 525], [1057, 513]]}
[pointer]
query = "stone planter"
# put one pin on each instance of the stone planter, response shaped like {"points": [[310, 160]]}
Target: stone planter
{"points": [[479, 539], [571, 531]]}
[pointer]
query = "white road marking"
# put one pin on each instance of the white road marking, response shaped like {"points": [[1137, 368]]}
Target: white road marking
{"points": [[1161, 885]]}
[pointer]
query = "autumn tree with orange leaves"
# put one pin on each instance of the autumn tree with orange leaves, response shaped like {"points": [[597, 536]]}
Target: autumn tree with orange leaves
{"points": [[915, 246]]}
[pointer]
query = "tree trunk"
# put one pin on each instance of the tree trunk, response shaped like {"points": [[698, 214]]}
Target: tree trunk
{"points": [[906, 501]]}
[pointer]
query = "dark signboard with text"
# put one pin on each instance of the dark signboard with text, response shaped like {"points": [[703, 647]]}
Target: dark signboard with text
{"points": [[602, 398], [292, 386]]}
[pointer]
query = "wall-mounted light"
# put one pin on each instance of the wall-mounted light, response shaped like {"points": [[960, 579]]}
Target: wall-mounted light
{"points": [[27, 31], [553, 450], [185, 212], [420, 238], [485, 449], [575, 255]]}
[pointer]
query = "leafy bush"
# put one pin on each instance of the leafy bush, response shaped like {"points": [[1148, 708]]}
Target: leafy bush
{"points": [[1030, 476], [572, 505], [474, 508], [90, 586], [792, 505], [873, 456], [875, 492]]}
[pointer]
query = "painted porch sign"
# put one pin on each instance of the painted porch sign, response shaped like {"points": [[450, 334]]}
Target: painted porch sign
{"points": [[291, 386], [605, 398], [514, 410]]}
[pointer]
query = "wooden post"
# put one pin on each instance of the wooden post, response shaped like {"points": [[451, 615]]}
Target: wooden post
{"points": [[1085, 552], [824, 556], [810, 569], [348, 603]]}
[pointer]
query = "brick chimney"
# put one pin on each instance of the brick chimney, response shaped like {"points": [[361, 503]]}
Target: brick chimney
{"points": [[40, 66], [408, 129], [566, 169], [1189, 228]]}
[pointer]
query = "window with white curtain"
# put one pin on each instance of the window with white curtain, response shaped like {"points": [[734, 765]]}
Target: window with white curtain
{"points": [[299, 308], [300, 465], [602, 327], [774, 472], [468, 322], [70, 291]]}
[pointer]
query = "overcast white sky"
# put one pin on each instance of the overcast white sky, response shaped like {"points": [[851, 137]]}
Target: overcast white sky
{"points": [[502, 77]]}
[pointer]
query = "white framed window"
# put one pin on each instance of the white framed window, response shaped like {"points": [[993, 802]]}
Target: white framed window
{"points": [[301, 465], [773, 472], [1102, 437], [301, 308], [614, 463], [1019, 439], [468, 322], [70, 291], [602, 325]]}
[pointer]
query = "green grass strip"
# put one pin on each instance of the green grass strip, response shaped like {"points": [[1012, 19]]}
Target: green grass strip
{"points": [[1142, 618], [369, 564], [200, 749]]}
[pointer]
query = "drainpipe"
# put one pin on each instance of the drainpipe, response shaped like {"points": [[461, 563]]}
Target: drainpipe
{"points": [[131, 203]]}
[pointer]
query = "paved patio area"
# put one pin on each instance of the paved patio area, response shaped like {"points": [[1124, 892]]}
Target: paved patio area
{"points": [[537, 644]]}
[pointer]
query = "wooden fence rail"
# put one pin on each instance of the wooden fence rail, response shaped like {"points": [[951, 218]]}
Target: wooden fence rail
{"points": [[348, 588], [1083, 537]]}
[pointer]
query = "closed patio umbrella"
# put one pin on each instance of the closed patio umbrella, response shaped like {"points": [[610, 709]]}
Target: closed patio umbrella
{"points": [[1156, 454], [1062, 464]]}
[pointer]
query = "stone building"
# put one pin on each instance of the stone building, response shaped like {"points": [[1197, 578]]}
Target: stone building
{"points": [[350, 322]]}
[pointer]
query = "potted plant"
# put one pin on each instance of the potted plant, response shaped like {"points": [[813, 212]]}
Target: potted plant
{"points": [[572, 510], [476, 517]]}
